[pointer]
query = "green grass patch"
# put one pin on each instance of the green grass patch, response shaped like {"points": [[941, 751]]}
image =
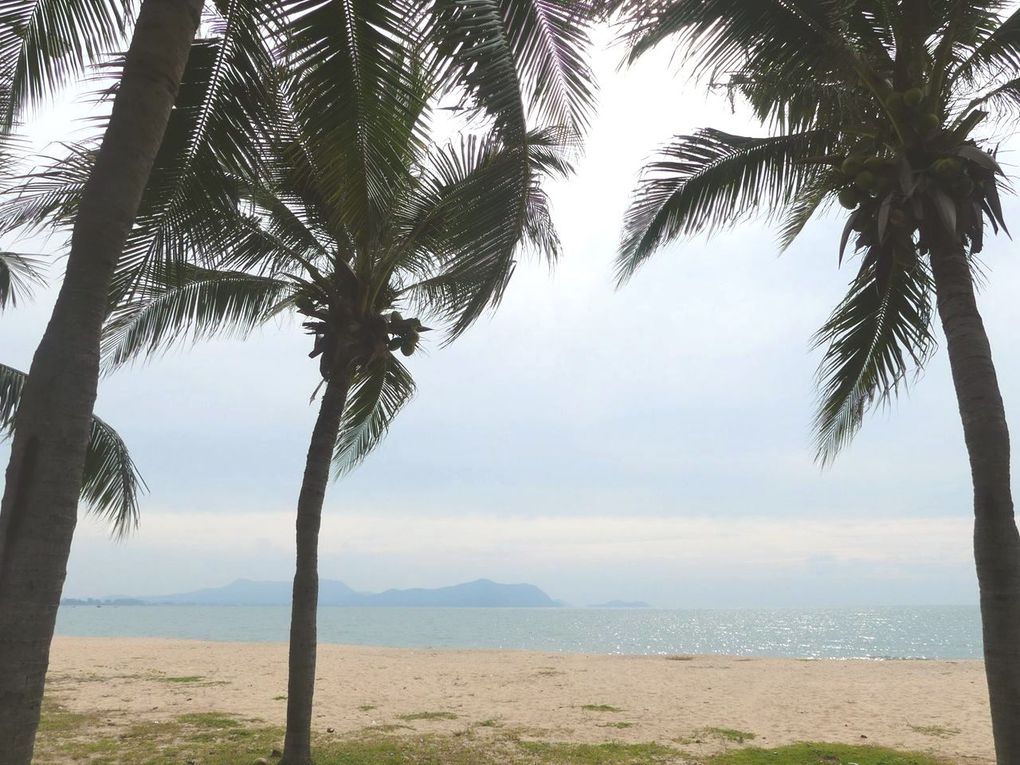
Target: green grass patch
{"points": [[427, 716], [729, 734], [822, 754], [600, 708], [210, 720], [57, 720], [936, 731], [279, 698], [210, 738], [490, 723], [621, 725], [601, 754], [367, 707]]}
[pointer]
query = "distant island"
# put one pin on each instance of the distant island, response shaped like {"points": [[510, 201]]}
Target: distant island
{"points": [[621, 604], [102, 602], [245, 592]]}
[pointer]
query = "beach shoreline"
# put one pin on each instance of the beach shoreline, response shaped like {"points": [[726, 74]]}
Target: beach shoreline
{"points": [[933, 706]]}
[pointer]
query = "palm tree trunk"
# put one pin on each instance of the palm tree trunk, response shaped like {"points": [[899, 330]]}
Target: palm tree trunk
{"points": [[297, 748], [996, 542], [40, 502]]}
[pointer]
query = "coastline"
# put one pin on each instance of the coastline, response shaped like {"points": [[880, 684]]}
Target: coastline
{"points": [[934, 706]]}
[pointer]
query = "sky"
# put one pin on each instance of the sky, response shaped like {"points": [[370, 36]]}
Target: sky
{"points": [[651, 442]]}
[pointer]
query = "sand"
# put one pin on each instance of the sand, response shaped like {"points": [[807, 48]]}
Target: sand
{"points": [[933, 706]]}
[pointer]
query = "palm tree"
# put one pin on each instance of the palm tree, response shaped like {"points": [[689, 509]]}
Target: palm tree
{"points": [[111, 483], [876, 105], [514, 61], [439, 239], [40, 43]]}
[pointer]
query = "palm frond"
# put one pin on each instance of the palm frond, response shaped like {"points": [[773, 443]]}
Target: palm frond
{"points": [[111, 482], [380, 391], [1004, 99], [19, 273], [470, 222], [359, 97], [518, 61], [803, 208], [711, 179], [800, 38], [44, 43], [47, 198], [189, 303], [875, 335], [996, 49], [215, 134]]}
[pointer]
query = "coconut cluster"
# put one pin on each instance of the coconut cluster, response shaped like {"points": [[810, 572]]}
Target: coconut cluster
{"points": [[406, 333]]}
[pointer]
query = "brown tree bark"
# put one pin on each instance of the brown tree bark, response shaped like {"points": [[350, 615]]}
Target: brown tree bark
{"points": [[297, 748], [996, 542], [40, 503]]}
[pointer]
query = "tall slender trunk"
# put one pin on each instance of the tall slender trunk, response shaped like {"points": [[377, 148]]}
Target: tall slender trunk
{"points": [[40, 502], [297, 748], [996, 542]]}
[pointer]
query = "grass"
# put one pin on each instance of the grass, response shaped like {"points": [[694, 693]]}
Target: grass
{"points": [[600, 708], [367, 707], [601, 754], [936, 731], [822, 754], [729, 734], [209, 738], [621, 725], [210, 720], [427, 716], [183, 679]]}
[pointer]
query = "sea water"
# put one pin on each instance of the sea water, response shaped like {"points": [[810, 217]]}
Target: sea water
{"points": [[929, 632]]}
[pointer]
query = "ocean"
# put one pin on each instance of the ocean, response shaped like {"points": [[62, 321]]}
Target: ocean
{"points": [[929, 632]]}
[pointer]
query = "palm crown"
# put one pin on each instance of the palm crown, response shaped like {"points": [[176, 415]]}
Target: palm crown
{"points": [[872, 104], [443, 246], [298, 172]]}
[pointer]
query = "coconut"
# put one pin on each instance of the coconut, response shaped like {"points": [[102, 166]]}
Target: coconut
{"points": [[853, 164], [894, 102], [875, 164], [865, 180], [409, 343], [913, 97], [849, 197], [946, 168]]}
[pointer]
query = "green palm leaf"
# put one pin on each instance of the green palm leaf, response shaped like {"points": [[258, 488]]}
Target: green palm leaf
{"points": [[361, 55], [19, 273], [465, 240], [379, 392], [215, 133], [710, 179], [797, 37], [189, 303], [995, 49], [518, 60], [44, 43], [112, 483], [875, 335]]}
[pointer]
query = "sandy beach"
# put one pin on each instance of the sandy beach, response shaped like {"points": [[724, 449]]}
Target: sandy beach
{"points": [[938, 707]]}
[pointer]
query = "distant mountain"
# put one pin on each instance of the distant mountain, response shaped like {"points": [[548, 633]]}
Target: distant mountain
{"points": [[480, 593], [621, 604]]}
